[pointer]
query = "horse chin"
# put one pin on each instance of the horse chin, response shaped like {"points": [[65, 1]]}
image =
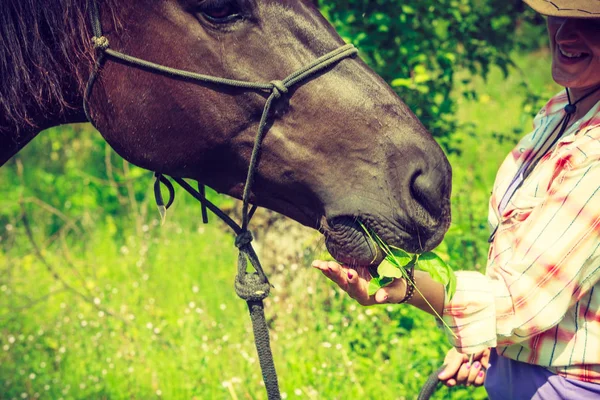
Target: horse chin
{"points": [[349, 244]]}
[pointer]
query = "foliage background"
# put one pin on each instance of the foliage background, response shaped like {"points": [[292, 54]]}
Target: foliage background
{"points": [[97, 301], [419, 47]]}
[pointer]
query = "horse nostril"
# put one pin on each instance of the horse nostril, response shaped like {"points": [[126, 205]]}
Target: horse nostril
{"points": [[428, 189]]}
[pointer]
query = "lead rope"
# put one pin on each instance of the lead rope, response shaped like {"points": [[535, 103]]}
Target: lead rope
{"points": [[253, 287], [431, 384]]}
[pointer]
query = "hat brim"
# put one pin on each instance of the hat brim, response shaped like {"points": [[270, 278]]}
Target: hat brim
{"points": [[566, 8]]}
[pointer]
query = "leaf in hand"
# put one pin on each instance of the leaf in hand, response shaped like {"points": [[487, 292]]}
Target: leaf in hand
{"points": [[377, 283], [399, 256], [374, 286], [387, 268], [385, 280]]}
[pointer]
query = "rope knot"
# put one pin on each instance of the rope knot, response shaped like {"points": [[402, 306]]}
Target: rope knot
{"points": [[250, 287], [243, 239], [100, 43], [570, 108], [279, 88]]}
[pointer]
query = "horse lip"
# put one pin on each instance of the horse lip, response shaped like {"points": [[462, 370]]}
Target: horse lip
{"points": [[349, 243]]}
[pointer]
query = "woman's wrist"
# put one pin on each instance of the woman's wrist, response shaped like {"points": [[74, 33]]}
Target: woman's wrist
{"points": [[429, 295], [409, 287]]}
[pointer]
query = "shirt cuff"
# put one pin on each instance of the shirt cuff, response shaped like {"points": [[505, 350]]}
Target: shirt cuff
{"points": [[471, 313]]}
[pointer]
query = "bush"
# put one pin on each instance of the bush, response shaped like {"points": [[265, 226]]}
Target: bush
{"points": [[419, 46]]}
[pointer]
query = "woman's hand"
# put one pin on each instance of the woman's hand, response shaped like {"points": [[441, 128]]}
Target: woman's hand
{"points": [[356, 282], [459, 371]]}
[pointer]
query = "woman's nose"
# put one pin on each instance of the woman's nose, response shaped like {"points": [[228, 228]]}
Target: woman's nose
{"points": [[567, 31]]}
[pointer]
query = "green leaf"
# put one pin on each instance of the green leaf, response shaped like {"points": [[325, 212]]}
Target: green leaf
{"points": [[402, 82], [406, 9], [389, 269], [374, 286], [383, 282], [435, 266], [451, 288], [377, 283], [438, 270], [399, 257]]}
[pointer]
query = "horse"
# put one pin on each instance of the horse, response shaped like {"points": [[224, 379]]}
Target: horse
{"points": [[342, 150]]}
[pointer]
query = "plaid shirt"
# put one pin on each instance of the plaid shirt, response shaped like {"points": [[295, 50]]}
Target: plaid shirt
{"points": [[539, 301]]}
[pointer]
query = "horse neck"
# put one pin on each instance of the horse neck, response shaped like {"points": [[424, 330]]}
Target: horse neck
{"points": [[49, 93], [13, 138]]}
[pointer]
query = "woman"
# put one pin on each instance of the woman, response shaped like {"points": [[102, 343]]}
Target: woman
{"points": [[535, 314]]}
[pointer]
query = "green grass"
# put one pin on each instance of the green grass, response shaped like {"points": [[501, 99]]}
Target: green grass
{"points": [[179, 331], [152, 312]]}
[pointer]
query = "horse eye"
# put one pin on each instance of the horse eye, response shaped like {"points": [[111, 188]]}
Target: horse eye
{"points": [[220, 12]]}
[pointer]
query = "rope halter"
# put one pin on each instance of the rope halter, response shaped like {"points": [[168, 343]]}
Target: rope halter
{"points": [[253, 287]]}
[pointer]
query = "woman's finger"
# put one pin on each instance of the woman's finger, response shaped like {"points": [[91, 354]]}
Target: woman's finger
{"points": [[338, 275], [322, 266], [329, 269], [381, 296], [463, 373], [453, 361], [485, 358], [450, 382], [480, 378], [347, 279], [473, 373], [393, 293], [357, 288]]}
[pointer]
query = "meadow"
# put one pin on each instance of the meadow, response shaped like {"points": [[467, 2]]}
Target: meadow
{"points": [[99, 301]]}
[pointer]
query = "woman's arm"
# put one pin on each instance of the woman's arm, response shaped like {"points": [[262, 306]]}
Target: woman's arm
{"points": [[356, 282], [428, 294]]}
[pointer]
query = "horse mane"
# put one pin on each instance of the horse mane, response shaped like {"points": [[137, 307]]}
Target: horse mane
{"points": [[41, 42]]}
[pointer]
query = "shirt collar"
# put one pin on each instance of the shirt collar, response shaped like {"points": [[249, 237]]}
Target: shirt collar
{"points": [[556, 103]]}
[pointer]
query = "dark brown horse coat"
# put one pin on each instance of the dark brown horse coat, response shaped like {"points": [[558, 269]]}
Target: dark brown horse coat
{"points": [[341, 147]]}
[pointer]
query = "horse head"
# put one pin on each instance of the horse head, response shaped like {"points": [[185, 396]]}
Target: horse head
{"points": [[341, 148]]}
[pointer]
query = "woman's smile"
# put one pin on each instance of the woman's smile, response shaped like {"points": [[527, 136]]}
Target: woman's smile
{"points": [[576, 51], [572, 55]]}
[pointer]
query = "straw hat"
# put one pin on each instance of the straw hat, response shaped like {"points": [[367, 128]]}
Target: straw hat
{"points": [[567, 8]]}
